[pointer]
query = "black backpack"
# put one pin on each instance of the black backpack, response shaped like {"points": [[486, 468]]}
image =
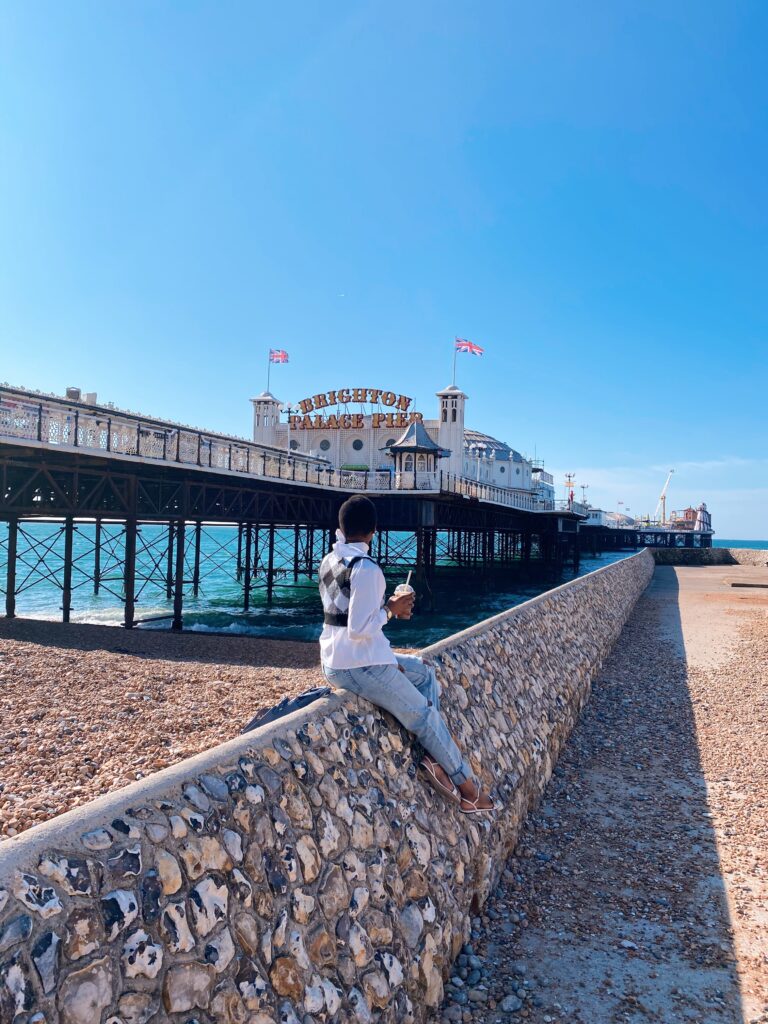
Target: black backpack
{"points": [[286, 706]]}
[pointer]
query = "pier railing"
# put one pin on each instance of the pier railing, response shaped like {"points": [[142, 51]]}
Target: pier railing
{"points": [[60, 423], [512, 497], [56, 422]]}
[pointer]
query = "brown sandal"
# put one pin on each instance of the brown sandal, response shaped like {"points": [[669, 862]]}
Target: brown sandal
{"points": [[429, 764], [473, 804]]}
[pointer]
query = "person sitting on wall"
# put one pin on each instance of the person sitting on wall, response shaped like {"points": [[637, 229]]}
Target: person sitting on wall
{"points": [[356, 656]]}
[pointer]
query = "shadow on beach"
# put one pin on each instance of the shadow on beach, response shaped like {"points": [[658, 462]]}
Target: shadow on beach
{"points": [[614, 907], [163, 644]]}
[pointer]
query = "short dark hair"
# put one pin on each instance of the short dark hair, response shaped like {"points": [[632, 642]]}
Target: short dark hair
{"points": [[357, 516]]}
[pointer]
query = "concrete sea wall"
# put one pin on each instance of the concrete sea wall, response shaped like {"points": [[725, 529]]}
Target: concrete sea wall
{"points": [[710, 556], [303, 873]]}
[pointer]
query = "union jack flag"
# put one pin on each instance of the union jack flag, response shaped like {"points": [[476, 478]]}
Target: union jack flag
{"points": [[278, 355], [462, 345]]}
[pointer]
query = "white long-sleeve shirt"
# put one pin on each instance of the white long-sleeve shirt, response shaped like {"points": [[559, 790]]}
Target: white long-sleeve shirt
{"points": [[361, 642]]}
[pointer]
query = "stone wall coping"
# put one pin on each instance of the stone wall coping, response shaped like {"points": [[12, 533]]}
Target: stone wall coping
{"points": [[64, 830]]}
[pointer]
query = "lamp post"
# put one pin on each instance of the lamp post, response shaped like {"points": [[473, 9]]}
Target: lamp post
{"points": [[289, 410]]}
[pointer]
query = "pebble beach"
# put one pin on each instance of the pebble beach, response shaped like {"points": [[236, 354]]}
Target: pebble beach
{"points": [[89, 709]]}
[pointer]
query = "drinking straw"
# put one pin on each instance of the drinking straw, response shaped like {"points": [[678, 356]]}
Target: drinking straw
{"points": [[408, 581]]}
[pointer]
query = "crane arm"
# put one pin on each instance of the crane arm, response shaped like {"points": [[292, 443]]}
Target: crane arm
{"points": [[663, 495]]}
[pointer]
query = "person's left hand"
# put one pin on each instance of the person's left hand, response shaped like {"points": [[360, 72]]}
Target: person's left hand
{"points": [[401, 605]]}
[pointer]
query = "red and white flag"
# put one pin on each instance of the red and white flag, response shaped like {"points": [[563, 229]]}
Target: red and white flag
{"points": [[462, 345], [278, 355]]}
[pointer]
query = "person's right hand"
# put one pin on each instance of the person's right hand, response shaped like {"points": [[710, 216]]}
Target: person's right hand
{"points": [[401, 605]]}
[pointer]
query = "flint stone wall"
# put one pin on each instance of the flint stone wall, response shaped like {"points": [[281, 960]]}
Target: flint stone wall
{"points": [[303, 873], [710, 556]]}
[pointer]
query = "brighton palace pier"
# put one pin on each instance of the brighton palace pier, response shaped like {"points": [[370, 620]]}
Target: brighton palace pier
{"points": [[379, 433], [98, 497]]}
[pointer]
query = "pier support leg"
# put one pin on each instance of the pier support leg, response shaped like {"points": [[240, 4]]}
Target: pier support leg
{"points": [[271, 563], [10, 584], [169, 565], [178, 582], [255, 552], [129, 577], [424, 561], [97, 558], [239, 552], [66, 590], [296, 553], [196, 569], [247, 569]]}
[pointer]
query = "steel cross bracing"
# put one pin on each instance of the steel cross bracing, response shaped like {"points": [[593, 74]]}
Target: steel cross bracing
{"points": [[4, 535], [59, 554], [269, 555]]}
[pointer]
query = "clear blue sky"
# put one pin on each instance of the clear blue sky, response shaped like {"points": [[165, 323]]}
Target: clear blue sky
{"points": [[580, 188]]}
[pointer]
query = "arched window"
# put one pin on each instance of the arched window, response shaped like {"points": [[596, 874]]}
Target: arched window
{"points": [[445, 415], [421, 462], [408, 464], [453, 414]]}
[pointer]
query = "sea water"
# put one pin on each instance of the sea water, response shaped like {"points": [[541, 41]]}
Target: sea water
{"points": [[458, 599], [757, 545]]}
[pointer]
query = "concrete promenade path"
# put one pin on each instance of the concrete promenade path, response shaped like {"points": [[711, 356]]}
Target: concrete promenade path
{"points": [[639, 889]]}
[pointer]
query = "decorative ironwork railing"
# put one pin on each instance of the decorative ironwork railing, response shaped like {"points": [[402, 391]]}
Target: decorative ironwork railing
{"points": [[57, 422], [512, 497]]}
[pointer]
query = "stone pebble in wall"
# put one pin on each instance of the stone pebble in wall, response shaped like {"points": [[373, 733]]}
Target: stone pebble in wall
{"points": [[311, 876]]}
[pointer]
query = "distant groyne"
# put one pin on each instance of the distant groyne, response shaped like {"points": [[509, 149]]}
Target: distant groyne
{"points": [[304, 869]]}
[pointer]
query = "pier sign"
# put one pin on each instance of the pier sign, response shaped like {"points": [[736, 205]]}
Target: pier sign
{"points": [[314, 414]]}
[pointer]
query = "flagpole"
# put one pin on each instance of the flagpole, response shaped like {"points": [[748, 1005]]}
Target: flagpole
{"points": [[455, 350], [269, 367]]}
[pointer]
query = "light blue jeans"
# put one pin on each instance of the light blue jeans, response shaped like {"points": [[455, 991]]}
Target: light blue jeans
{"points": [[409, 691]]}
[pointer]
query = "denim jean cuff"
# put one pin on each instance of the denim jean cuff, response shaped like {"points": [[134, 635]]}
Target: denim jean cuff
{"points": [[463, 774]]}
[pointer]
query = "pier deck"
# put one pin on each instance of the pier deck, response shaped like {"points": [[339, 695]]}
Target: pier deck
{"points": [[639, 891]]}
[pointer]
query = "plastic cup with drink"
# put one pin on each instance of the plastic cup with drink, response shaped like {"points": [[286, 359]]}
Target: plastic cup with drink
{"points": [[405, 588]]}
